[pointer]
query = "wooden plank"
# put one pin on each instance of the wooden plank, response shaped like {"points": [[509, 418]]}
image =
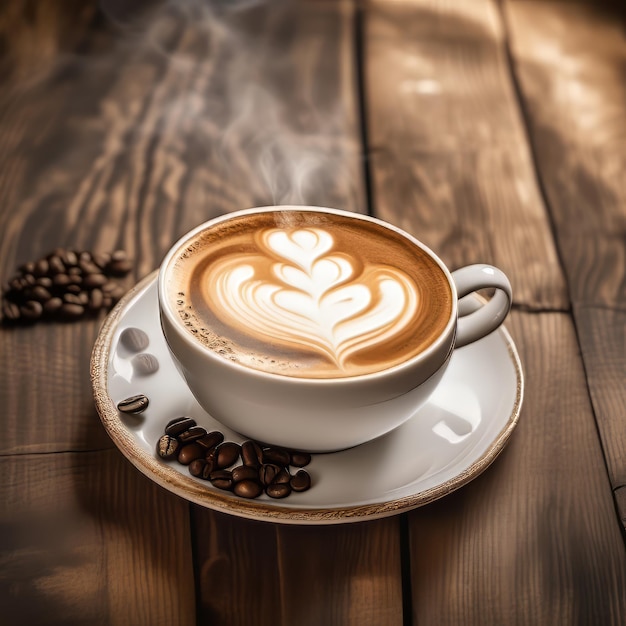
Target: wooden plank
{"points": [[570, 61], [33, 33], [603, 343], [261, 573], [353, 579], [237, 576], [535, 539], [47, 403], [86, 539], [257, 573], [449, 156]]}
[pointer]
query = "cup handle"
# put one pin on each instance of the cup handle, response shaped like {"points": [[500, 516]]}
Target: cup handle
{"points": [[475, 320]]}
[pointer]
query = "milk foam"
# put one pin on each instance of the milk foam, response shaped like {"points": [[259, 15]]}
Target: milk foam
{"points": [[324, 302], [308, 294]]}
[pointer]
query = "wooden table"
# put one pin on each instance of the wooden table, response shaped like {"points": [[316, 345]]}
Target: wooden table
{"points": [[493, 131]]}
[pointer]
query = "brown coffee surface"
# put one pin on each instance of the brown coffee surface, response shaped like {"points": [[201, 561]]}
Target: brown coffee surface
{"points": [[308, 294]]}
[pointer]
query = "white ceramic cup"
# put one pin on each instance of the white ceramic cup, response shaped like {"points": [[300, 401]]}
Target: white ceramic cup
{"points": [[329, 414]]}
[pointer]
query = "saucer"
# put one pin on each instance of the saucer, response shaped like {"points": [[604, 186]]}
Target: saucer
{"points": [[451, 440]]}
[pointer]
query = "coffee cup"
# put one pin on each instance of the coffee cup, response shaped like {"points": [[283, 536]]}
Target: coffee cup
{"points": [[314, 328]]}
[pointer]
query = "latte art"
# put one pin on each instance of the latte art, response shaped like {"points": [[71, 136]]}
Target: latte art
{"points": [[308, 294], [315, 299]]}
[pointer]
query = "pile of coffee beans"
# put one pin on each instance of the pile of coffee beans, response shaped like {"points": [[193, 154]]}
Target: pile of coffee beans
{"points": [[264, 469], [64, 285]]}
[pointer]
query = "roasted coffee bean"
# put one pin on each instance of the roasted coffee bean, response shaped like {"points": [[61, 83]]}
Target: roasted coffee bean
{"points": [[134, 404], [10, 311], [299, 459], [301, 481], [72, 298], [69, 257], [101, 259], [222, 479], [145, 364], [52, 306], [61, 280], [211, 440], [75, 273], [119, 268], [196, 467], [167, 447], [109, 287], [248, 489], [91, 281], [276, 456], [191, 434], [83, 298], [119, 265], [55, 265], [134, 339], [73, 289], [96, 300], [41, 267], [179, 425], [227, 453], [84, 256], [107, 302], [27, 268], [245, 472], [44, 281], [283, 476], [268, 472], [190, 452], [209, 457], [70, 312], [88, 268], [31, 310], [16, 284], [39, 293], [278, 490], [251, 453]]}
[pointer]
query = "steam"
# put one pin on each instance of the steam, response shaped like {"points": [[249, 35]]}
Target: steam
{"points": [[243, 107]]}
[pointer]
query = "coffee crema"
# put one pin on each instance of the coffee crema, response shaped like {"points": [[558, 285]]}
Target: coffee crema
{"points": [[308, 294]]}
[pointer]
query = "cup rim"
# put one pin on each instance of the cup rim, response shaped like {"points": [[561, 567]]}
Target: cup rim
{"points": [[398, 369]]}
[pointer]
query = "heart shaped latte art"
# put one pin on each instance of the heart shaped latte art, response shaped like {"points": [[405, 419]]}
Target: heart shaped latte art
{"points": [[318, 301]]}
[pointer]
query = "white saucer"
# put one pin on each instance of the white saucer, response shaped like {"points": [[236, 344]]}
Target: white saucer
{"points": [[449, 442]]}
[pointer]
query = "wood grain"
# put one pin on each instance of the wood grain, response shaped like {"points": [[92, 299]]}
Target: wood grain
{"points": [[86, 539], [33, 33], [449, 158], [602, 335], [535, 539], [260, 573], [569, 59]]}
